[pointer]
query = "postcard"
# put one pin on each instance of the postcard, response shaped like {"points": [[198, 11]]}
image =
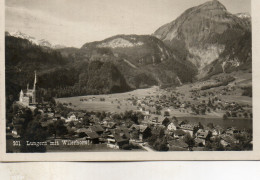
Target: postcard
{"points": [[136, 80]]}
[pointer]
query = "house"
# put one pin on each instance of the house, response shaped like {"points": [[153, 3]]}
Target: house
{"points": [[109, 125], [217, 131], [118, 138], [178, 145], [202, 136], [81, 130], [227, 140], [142, 130], [155, 119], [17, 130], [57, 117], [91, 137], [188, 128], [14, 131], [173, 126], [96, 128], [147, 116], [80, 116], [199, 142], [179, 134], [71, 117], [231, 131]]}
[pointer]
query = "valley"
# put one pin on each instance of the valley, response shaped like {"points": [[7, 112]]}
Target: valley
{"points": [[186, 86], [137, 101]]}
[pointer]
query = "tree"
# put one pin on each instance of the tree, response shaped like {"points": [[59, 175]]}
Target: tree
{"points": [[51, 130], [60, 129], [34, 133], [228, 114], [82, 134], [85, 121], [189, 140], [210, 125], [36, 112], [160, 145], [201, 126], [71, 124]]}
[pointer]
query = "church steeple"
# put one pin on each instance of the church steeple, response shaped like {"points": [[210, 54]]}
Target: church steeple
{"points": [[35, 80]]}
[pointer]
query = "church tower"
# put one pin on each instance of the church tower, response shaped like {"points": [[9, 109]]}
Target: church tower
{"points": [[34, 88], [21, 96]]}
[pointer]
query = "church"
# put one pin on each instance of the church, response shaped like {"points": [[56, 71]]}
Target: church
{"points": [[28, 96]]}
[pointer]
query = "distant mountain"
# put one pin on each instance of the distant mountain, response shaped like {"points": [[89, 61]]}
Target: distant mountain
{"points": [[143, 60], [205, 33], [40, 42]]}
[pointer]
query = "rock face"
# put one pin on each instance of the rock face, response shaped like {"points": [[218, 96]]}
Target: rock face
{"points": [[204, 33]]}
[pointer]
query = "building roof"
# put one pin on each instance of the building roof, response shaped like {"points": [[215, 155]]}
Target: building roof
{"points": [[187, 127], [201, 133], [179, 132], [92, 135], [178, 143], [96, 128], [175, 123], [121, 134], [198, 140], [81, 130], [228, 139], [140, 128]]}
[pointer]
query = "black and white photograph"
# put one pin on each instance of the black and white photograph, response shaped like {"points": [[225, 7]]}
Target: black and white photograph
{"points": [[139, 76]]}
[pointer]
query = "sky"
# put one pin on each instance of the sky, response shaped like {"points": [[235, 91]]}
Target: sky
{"points": [[75, 22]]}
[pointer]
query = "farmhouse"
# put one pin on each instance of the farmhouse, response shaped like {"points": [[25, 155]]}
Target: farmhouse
{"points": [[118, 138], [188, 128]]}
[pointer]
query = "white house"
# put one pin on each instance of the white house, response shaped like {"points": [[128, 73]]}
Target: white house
{"points": [[72, 117]]}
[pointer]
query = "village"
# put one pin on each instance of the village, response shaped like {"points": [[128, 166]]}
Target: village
{"points": [[155, 122]]}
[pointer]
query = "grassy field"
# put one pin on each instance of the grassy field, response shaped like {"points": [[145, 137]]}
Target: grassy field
{"points": [[119, 102], [113, 102]]}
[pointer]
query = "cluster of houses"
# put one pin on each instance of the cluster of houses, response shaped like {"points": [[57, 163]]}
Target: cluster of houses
{"points": [[200, 134], [117, 136], [154, 105]]}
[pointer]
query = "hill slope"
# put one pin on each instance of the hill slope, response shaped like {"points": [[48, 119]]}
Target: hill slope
{"points": [[58, 76]]}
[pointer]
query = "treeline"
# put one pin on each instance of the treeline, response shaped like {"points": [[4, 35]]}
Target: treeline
{"points": [[223, 83]]}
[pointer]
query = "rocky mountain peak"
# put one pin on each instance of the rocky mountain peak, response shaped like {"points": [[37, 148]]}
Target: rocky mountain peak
{"points": [[202, 33], [214, 4]]}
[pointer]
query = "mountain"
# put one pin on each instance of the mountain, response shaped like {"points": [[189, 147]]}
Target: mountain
{"points": [[208, 35], [143, 60], [40, 42], [58, 76]]}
